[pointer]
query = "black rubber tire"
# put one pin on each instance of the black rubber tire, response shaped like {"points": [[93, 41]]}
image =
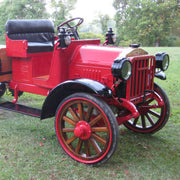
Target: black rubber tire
{"points": [[108, 115], [161, 120], [2, 89]]}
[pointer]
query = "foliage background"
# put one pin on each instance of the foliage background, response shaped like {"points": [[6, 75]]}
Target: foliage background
{"points": [[148, 22], [151, 22]]}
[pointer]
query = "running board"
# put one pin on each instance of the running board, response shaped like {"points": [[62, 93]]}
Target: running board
{"points": [[21, 109]]}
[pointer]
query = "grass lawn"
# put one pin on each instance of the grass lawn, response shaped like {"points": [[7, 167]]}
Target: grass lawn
{"points": [[29, 149]]}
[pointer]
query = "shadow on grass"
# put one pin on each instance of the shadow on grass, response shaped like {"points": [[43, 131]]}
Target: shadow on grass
{"points": [[151, 156], [136, 156]]}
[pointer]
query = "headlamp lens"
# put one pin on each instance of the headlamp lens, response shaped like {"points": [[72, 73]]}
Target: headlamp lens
{"points": [[165, 62], [68, 40], [126, 70], [114, 38]]}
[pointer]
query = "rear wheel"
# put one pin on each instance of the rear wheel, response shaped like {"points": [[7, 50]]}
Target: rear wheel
{"points": [[151, 120], [2, 89], [86, 128]]}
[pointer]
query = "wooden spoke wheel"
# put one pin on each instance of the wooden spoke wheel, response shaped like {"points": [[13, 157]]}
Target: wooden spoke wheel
{"points": [[86, 128], [151, 120]]}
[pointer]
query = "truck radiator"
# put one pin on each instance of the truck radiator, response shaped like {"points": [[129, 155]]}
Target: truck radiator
{"points": [[142, 78]]}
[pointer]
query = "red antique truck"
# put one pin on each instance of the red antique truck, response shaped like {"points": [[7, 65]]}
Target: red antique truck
{"points": [[90, 88]]}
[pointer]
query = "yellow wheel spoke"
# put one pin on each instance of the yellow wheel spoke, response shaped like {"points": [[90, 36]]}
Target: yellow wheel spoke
{"points": [[87, 148], [69, 141], [99, 138], [68, 129], [81, 112], [95, 145], [79, 145], [74, 115], [89, 112], [95, 120], [69, 120], [99, 129]]}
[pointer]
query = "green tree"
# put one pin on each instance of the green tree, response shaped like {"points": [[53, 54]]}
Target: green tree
{"points": [[149, 22], [120, 17], [175, 34], [24, 9], [103, 21], [61, 9], [91, 35]]}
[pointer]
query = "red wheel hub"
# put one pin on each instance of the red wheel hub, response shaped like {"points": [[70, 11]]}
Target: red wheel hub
{"points": [[82, 130]]}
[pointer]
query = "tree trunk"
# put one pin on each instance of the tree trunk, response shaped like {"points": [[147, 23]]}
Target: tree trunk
{"points": [[157, 42]]}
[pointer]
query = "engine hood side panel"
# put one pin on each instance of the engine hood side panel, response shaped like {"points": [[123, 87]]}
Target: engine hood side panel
{"points": [[98, 55]]}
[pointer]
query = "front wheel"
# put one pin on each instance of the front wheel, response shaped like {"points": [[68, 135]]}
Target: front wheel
{"points": [[151, 120], [86, 128]]}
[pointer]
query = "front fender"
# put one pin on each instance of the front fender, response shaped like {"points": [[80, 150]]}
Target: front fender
{"points": [[69, 87]]}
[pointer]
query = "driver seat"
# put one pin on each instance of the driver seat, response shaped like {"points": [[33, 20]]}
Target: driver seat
{"points": [[39, 34]]}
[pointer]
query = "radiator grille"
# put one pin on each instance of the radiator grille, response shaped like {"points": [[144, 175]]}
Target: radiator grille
{"points": [[142, 76]]}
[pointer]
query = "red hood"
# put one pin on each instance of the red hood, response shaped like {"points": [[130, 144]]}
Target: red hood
{"points": [[96, 55], [104, 55]]}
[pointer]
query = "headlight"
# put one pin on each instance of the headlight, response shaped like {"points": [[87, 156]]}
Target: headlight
{"points": [[64, 38], [114, 37], [110, 37], [162, 61], [67, 40], [122, 68]]}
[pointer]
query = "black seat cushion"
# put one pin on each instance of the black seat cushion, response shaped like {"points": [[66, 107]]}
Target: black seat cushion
{"points": [[38, 33]]}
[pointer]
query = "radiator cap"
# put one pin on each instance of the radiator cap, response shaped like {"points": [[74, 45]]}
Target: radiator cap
{"points": [[134, 45]]}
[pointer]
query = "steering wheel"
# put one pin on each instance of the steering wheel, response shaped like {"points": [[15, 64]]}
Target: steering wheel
{"points": [[72, 28]]}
